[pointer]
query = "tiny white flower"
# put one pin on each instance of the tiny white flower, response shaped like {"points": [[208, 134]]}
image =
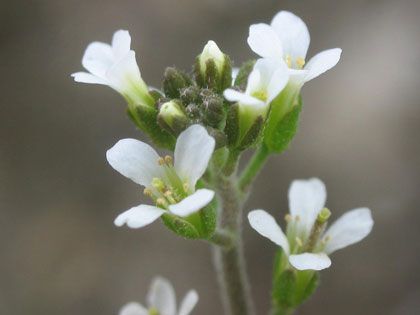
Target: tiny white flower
{"points": [[306, 244], [287, 38], [266, 80], [115, 65], [161, 300], [171, 184]]}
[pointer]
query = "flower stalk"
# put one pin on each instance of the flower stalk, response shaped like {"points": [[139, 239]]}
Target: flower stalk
{"points": [[230, 262]]}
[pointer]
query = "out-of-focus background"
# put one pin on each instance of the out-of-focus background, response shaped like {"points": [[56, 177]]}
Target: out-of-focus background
{"points": [[60, 252]]}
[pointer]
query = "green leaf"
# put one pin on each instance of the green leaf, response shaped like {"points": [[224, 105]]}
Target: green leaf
{"points": [[277, 139]]}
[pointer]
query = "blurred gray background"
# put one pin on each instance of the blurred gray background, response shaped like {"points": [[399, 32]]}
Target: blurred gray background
{"points": [[61, 254]]}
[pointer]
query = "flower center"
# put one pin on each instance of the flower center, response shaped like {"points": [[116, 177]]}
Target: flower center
{"points": [[261, 95], [168, 190], [153, 311], [294, 63]]}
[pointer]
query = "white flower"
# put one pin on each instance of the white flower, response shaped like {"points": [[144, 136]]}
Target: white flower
{"points": [[115, 65], [287, 39], [266, 80], [161, 300], [306, 244], [170, 185]]}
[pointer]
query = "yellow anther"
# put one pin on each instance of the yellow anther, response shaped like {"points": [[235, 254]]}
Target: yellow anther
{"points": [[168, 193], [168, 160], [288, 61], [299, 241], [161, 202], [300, 62], [147, 192], [297, 218], [153, 311], [288, 218], [161, 161], [185, 186], [261, 95]]}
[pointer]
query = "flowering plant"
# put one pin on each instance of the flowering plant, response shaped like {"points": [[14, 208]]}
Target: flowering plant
{"points": [[208, 118]]}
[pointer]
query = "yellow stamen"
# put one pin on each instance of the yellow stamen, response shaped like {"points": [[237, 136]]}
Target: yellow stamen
{"points": [[288, 218], [299, 241], [185, 186], [168, 160], [147, 192], [161, 202], [300, 62], [288, 61], [297, 218], [161, 161]]}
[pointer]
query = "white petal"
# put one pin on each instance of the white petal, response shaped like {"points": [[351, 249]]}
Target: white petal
{"points": [[350, 228], [264, 41], [193, 150], [310, 261], [138, 217], [121, 42], [306, 199], [162, 296], [133, 308], [242, 98], [136, 160], [293, 33], [235, 71], [255, 81], [85, 77], [322, 62], [98, 58], [266, 225], [188, 303], [278, 82], [192, 203], [125, 74]]}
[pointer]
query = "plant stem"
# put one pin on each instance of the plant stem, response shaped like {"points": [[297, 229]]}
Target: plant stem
{"points": [[253, 168], [230, 262]]}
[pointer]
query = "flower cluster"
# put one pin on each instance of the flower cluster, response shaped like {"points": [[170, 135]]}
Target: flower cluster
{"points": [[208, 117]]}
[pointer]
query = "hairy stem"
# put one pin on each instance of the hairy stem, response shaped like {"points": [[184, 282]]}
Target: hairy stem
{"points": [[230, 261], [253, 168]]}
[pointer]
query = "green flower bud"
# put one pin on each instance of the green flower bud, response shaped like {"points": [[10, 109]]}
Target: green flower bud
{"points": [[213, 68], [172, 117], [174, 81], [213, 111], [190, 94]]}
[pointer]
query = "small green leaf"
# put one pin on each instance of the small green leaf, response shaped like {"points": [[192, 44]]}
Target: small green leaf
{"points": [[278, 139]]}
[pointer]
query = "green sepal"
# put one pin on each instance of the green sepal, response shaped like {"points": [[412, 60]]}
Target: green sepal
{"points": [[307, 283], [208, 217], [212, 77], [243, 74], [145, 118], [278, 138], [284, 289], [232, 125], [180, 226], [252, 135]]}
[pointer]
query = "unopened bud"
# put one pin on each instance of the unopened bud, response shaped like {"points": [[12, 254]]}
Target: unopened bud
{"points": [[213, 111], [172, 118], [213, 68], [174, 81]]}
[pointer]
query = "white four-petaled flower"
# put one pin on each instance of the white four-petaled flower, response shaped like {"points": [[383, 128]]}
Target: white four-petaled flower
{"points": [[306, 201], [171, 184], [115, 65], [266, 80], [161, 300], [287, 39]]}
